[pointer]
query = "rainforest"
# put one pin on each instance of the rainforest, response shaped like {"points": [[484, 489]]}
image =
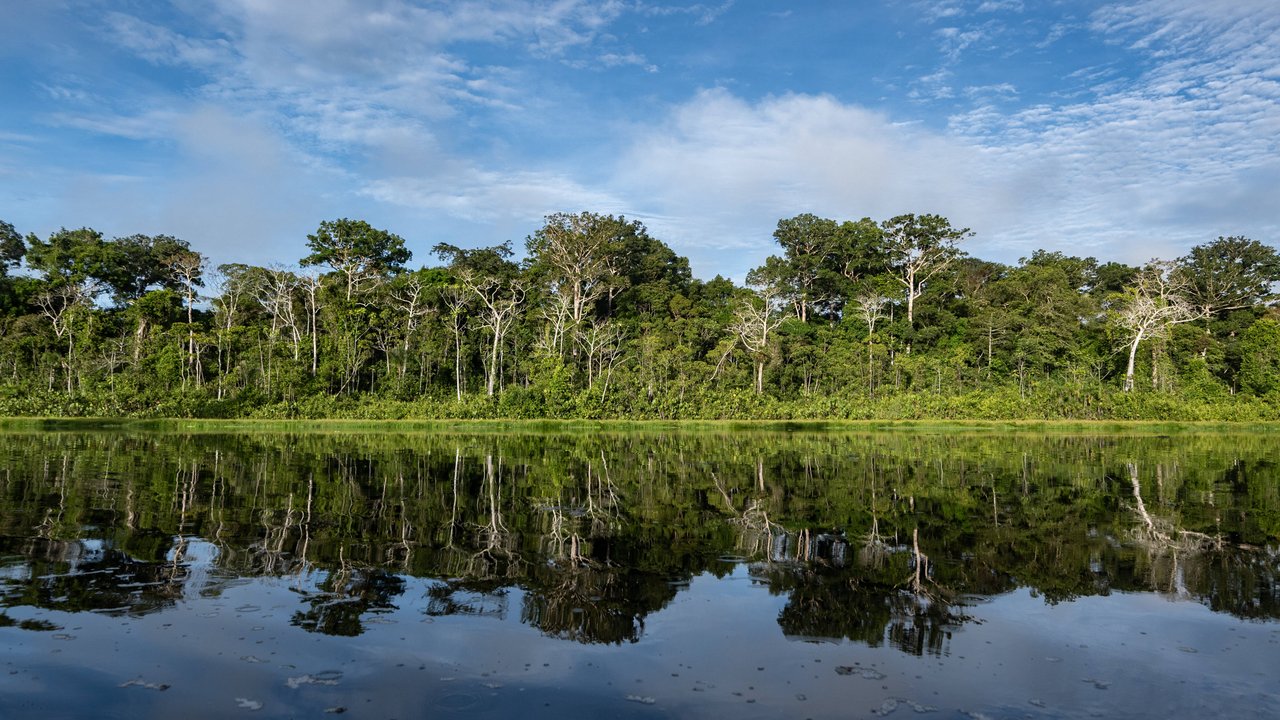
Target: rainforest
{"points": [[593, 318]]}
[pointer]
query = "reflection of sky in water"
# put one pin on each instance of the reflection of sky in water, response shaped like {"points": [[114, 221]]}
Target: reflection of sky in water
{"points": [[769, 579], [716, 650]]}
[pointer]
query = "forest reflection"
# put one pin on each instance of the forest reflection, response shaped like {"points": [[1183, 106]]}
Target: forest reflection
{"points": [[878, 538]]}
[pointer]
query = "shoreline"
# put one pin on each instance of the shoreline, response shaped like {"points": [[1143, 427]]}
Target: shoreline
{"points": [[490, 425]]}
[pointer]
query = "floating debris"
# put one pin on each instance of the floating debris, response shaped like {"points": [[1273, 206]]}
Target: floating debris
{"points": [[328, 677], [642, 699], [144, 684], [248, 704], [886, 708], [892, 704], [864, 673]]}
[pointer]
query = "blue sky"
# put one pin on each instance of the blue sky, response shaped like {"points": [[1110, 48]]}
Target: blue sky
{"points": [[1121, 130]]}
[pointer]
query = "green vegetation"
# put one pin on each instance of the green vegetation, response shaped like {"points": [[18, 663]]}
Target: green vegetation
{"points": [[855, 320], [877, 537]]}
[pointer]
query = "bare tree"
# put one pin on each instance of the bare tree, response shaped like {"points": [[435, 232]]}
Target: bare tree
{"points": [[275, 292], [187, 268], [500, 299], [754, 321], [411, 297], [602, 341], [557, 311], [455, 301], [59, 305], [870, 309], [575, 249], [1154, 304], [310, 284], [233, 283]]}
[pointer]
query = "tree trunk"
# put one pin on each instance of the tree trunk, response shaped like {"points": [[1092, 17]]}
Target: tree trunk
{"points": [[493, 365], [1128, 372], [457, 363]]}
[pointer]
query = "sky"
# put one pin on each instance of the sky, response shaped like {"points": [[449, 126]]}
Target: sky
{"points": [[1121, 130]]}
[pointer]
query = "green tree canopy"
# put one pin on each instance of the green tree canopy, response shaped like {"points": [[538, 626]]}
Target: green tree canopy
{"points": [[361, 253]]}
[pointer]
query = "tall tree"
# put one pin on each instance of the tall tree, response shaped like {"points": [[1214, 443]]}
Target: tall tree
{"points": [[859, 251], [754, 322], [919, 248], [808, 242], [186, 269], [361, 253], [1153, 304], [1230, 273], [496, 284], [70, 257], [575, 253], [137, 264]]}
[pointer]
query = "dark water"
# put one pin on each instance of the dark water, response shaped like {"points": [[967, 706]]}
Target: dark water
{"points": [[645, 574]]}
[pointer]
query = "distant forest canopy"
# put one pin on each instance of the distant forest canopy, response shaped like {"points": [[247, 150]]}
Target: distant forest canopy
{"points": [[852, 319]]}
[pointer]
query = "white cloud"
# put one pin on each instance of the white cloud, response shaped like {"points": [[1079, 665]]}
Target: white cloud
{"points": [[1151, 164], [722, 171], [150, 125], [488, 196], [162, 45], [1137, 166], [380, 108]]}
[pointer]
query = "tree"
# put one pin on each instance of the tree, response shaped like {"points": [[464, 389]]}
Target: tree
{"points": [[1155, 303], [869, 306], [186, 269], [1230, 273], [412, 294], [12, 248], [920, 247], [495, 282], [1043, 310], [648, 278], [234, 282], [754, 322], [456, 302], [575, 254], [359, 252], [74, 257], [808, 242], [1260, 357], [137, 264], [859, 251]]}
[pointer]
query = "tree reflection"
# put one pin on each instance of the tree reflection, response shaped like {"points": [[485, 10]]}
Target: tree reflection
{"points": [[870, 602], [345, 596], [90, 575], [874, 537]]}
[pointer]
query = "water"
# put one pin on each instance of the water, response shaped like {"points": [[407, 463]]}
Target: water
{"points": [[641, 574]]}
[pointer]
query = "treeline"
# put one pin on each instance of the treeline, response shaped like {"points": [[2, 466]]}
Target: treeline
{"points": [[853, 319]]}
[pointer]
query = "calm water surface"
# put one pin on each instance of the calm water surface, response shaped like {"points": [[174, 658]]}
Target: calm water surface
{"points": [[645, 574]]}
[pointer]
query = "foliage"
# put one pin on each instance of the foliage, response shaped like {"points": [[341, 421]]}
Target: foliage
{"points": [[854, 319]]}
